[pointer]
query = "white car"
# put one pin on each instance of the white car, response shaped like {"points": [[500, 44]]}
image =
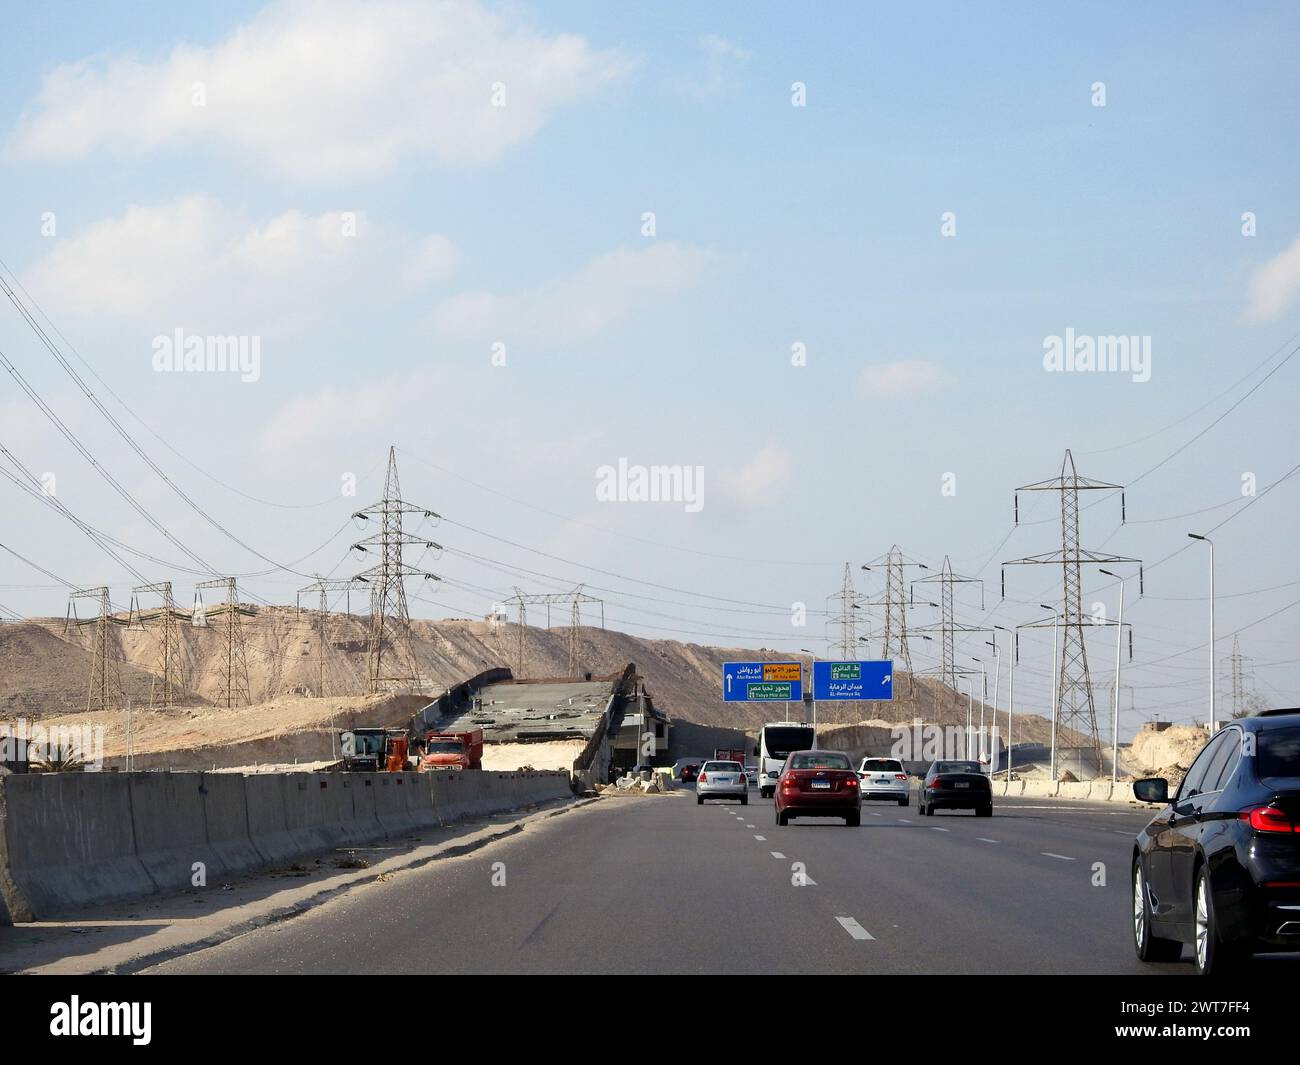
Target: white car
{"points": [[751, 771], [722, 780], [885, 778]]}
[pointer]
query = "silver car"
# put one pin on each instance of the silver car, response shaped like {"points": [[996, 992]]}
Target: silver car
{"points": [[722, 780]]}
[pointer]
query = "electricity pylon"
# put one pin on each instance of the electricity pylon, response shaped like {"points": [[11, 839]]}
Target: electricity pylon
{"points": [[105, 688], [575, 598], [234, 688], [850, 600], [169, 663], [948, 627], [1075, 710], [324, 586], [1237, 661], [393, 666], [894, 642]]}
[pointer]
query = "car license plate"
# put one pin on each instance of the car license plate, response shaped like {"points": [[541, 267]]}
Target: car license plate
{"points": [[961, 784], [821, 784], [882, 780]]}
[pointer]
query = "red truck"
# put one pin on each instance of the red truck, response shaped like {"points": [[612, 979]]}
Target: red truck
{"points": [[453, 750]]}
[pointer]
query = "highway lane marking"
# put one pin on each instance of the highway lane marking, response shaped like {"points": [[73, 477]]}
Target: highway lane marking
{"points": [[778, 856], [749, 826], [1063, 857], [936, 828], [905, 820], [854, 929], [982, 839], [874, 814], [761, 839]]}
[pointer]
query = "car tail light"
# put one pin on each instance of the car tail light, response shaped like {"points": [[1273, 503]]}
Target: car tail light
{"points": [[704, 779], [851, 782], [1267, 819], [744, 779], [900, 776]]}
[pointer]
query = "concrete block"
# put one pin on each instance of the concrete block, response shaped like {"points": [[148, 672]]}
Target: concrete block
{"points": [[67, 842], [170, 827], [225, 815]]}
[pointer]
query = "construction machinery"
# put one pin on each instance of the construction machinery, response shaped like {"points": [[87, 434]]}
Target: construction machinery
{"points": [[374, 750], [453, 750]]}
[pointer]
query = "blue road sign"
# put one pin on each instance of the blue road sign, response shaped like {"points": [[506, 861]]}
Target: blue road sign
{"points": [[853, 680], [769, 682]]}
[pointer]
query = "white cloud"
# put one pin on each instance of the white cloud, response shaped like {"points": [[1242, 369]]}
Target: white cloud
{"points": [[761, 478], [194, 261], [609, 288], [335, 415], [722, 62], [1275, 284], [908, 377], [327, 89]]}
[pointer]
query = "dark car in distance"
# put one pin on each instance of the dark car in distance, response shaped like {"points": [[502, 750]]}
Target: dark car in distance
{"points": [[956, 786], [1219, 866], [818, 784], [690, 772]]}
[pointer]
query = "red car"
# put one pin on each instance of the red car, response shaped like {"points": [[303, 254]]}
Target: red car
{"points": [[818, 784]]}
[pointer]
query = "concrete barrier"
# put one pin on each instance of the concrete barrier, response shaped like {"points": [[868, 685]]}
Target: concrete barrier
{"points": [[69, 840]]}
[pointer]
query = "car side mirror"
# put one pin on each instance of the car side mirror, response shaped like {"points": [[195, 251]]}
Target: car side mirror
{"points": [[1152, 789]]}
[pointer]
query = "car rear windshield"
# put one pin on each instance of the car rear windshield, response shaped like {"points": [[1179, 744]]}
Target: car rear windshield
{"points": [[882, 765], [1278, 752], [723, 767], [781, 741], [958, 767], [820, 760]]}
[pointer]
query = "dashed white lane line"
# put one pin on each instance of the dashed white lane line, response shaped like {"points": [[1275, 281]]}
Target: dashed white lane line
{"points": [[905, 820], [874, 814], [778, 856], [936, 828], [984, 839], [854, 929], [1062, 857], [761, 839], [749, 826]]}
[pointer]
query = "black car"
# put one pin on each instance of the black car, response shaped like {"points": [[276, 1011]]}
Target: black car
{"points": [[956, 786], [1219, 867]]}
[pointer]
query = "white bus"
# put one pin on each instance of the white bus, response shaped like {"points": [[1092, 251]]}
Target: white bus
{"points": [[775, 742]]}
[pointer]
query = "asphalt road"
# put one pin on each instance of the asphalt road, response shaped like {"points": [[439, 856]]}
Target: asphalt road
{"points": [[659, 884]]}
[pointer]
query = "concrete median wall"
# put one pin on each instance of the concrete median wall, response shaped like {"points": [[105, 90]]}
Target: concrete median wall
{"points": [[70, 840]]}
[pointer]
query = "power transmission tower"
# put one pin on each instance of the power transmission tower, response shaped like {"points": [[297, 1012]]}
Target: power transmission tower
{"points": [[169, 664], [847, 622], [234, 688], [105, 688], [1076, 712], [393, 665], [948, 626], [324, 586], [1237, 661], [575, 599], [894, 640]]}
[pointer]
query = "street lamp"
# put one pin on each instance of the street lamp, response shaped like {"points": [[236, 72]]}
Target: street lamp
{"points": [[997, 676], [965, 747], [1011, 693], [1114, 728], [1056, 676], [1206, 539], [984, 687]]}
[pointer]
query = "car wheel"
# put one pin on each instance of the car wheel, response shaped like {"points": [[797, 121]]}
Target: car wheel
{"points": [[854, 819], [920, 807], [744, 800], [1149, 947], [782, 818], [1213, 957], [904, 802], [984, 811], [764, 793]]}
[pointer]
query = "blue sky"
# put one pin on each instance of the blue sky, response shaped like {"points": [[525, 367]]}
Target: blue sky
{"points": [[775, 225]]}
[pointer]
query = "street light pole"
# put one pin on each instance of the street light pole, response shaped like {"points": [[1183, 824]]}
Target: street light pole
{"points": [[984, 689], [1114, 728], [1206, 539], [1056, 619]]}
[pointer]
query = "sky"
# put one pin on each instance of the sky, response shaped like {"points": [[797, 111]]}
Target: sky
{"points": [[814, 256]]}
